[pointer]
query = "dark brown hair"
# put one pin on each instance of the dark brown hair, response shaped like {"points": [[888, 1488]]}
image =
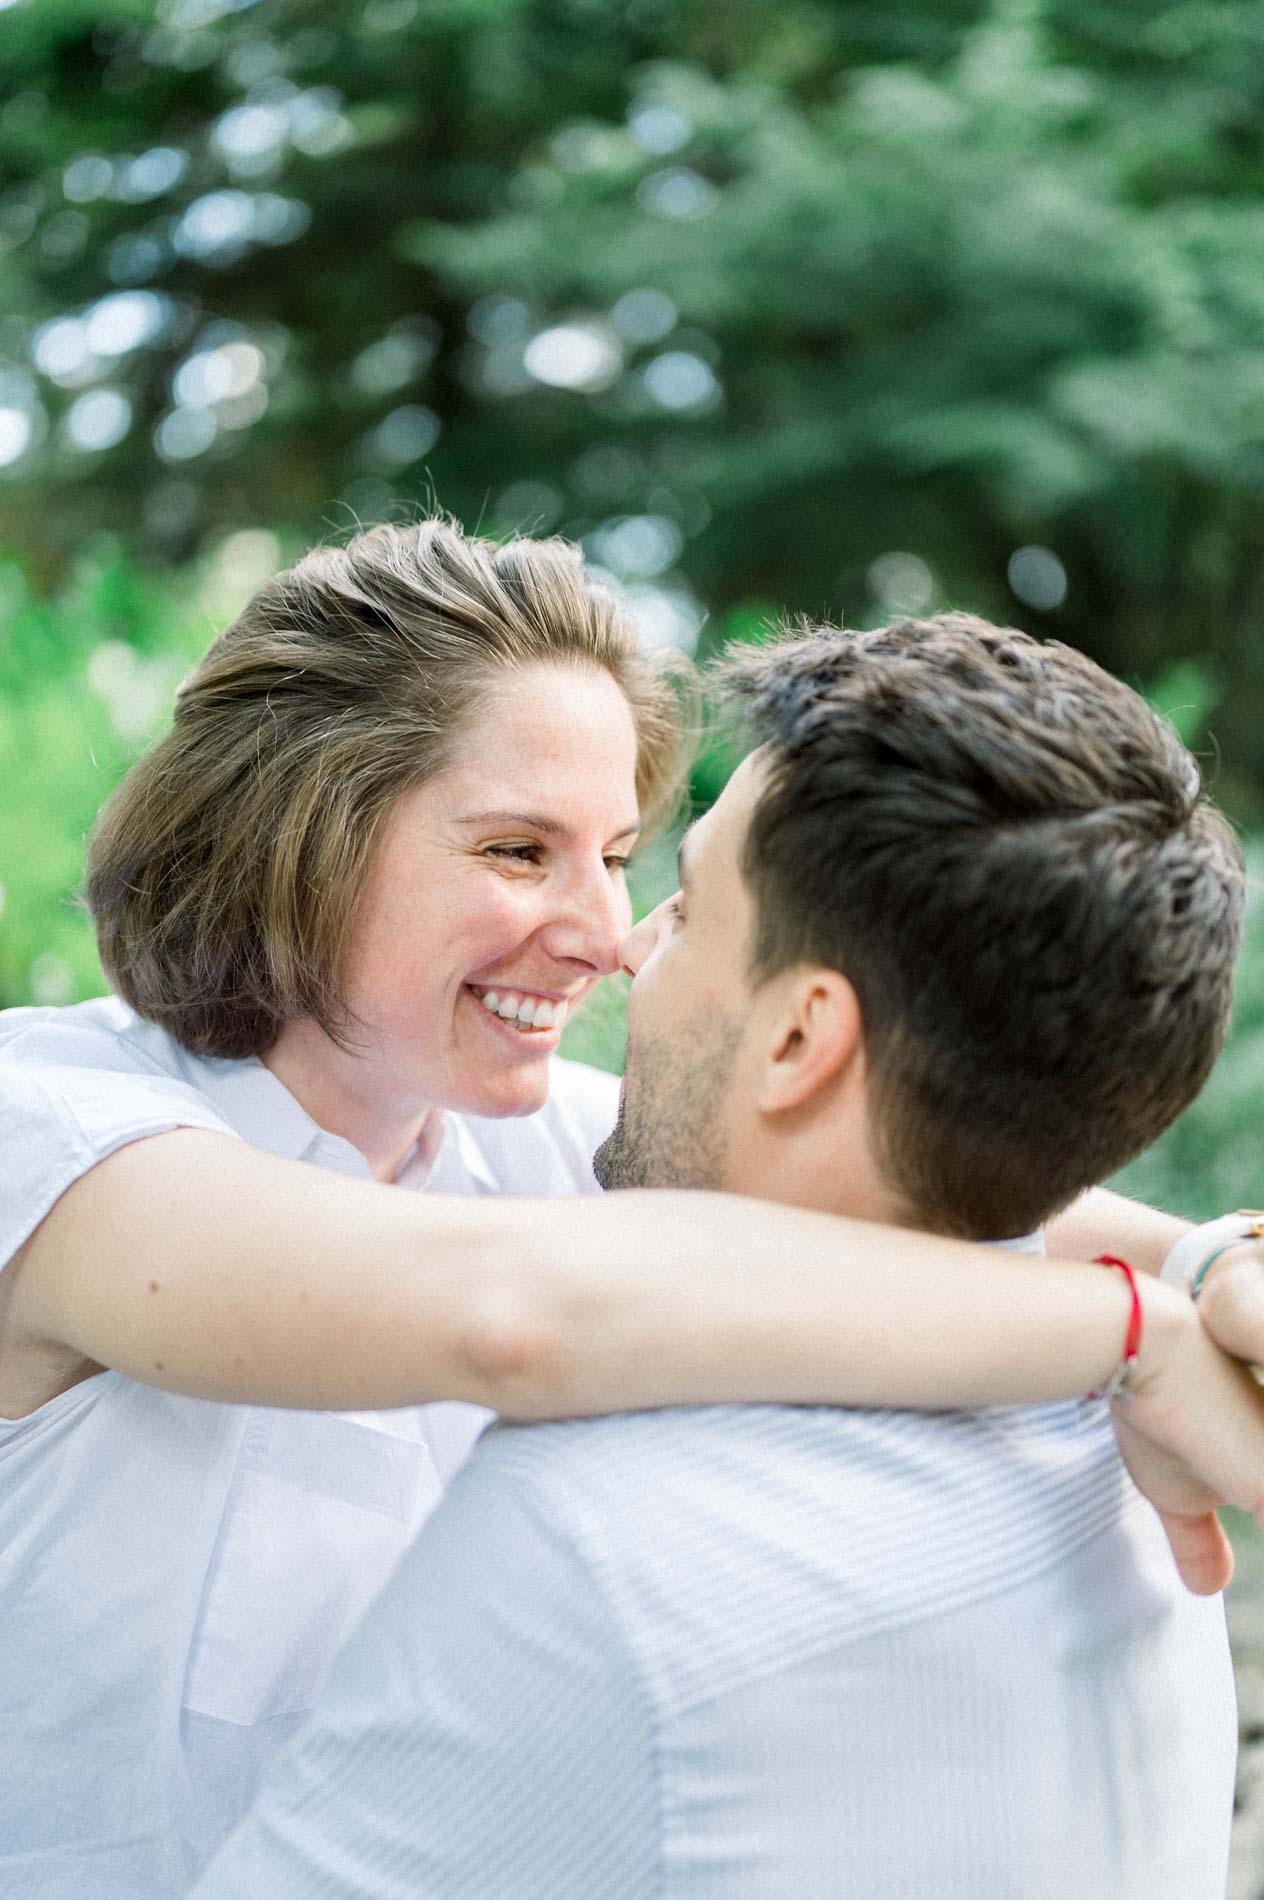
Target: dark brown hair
{"points": [[1012, 860], [224, 872]]}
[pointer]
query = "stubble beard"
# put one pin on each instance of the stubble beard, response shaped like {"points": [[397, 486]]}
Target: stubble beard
{"points": [[670, 1131]]}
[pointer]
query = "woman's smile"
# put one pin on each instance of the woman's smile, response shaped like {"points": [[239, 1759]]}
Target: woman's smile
{"points": [[528, 1011]]}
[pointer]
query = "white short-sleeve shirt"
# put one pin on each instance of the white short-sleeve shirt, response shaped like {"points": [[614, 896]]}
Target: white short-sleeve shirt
{"points": [[176, 1574]]}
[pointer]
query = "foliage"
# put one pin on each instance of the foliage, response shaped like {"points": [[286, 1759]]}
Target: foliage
{"points": [[85, 678], [851, 309]]}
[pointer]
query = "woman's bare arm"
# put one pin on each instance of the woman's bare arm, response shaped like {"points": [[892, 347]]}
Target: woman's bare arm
{"points": [[198, 1263], [1104, 1222], [195, 1262]]}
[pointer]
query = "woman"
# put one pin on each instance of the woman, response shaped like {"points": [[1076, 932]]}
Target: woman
{"points": [[347, 905]]}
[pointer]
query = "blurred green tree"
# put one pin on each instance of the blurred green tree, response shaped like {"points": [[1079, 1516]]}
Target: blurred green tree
{"points": [[858, 310]]}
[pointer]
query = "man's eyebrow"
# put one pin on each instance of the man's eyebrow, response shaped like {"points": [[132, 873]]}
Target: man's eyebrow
{"points": [[682, 861], [537, 821]]}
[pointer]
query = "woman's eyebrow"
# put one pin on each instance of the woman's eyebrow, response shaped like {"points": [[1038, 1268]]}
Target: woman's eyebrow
{"points": [[536, 821]]}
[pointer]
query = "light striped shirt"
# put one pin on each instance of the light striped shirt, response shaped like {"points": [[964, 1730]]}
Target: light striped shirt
{"points": [[769, 1652]]}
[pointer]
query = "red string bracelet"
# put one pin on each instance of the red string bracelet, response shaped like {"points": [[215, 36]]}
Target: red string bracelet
{"points": [[1119, 1384]]}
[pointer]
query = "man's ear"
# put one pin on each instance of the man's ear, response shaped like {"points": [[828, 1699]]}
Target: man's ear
{"points": [[816, 1035]]}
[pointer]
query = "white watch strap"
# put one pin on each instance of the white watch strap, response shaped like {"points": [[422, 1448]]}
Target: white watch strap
{"points": [[1193, 1248]]}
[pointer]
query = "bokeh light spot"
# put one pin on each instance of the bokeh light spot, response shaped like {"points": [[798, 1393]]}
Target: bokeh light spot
{"points": [[658, 128], [216, 226], [574, 356], [643, 316], [901, 583], [185, 433], [87, 177], [60, 349], [217, 375], [51, 981], [151, 174], [1038, 578], [16, 430], [124, 320], [638, 545], [680, 380], [404, 436], [678, 193], [98, 420]]}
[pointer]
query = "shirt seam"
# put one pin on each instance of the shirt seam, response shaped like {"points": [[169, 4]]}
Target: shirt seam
{"points": [[934, 1612], [573, 1489], [128, 1035]]}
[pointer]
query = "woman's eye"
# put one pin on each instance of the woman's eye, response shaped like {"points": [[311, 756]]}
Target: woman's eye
{"points": [[616, 864], [520, 853], [672, 909]]}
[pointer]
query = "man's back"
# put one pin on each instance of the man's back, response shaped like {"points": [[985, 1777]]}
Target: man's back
{"points": [[755, 1652]]}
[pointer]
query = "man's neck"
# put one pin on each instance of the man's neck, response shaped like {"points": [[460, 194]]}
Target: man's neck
{"points": [[853, 1188]]}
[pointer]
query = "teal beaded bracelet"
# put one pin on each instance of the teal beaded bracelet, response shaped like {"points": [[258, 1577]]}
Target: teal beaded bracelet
{"points": [[1196, 1284]]}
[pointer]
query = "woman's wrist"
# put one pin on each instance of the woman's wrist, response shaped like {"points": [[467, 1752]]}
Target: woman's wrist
{"points": [[1169, 1334], [1219, 1265], [1188, 1263]]}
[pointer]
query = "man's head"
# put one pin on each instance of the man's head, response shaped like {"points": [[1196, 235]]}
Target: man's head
{"points": [[957, 939]]}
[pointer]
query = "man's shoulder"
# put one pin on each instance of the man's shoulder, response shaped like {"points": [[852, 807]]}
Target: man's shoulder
{"points": [[826, 1526], [821, 1450]]}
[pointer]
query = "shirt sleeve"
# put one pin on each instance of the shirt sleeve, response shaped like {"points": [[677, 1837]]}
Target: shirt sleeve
{"points": [[484, 1735], [56, 1124]]}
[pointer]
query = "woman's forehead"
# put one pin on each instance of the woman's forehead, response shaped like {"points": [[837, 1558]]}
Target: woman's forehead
{"points": [[547, 724], [548, 766]]}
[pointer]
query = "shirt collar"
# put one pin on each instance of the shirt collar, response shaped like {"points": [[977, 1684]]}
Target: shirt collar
{"points": [[1023, 1243], [470, 1155], [264, 1112], [262, 1109]]}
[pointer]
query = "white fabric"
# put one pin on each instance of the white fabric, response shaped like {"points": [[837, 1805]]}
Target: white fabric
{"points": [[175, 1574], [749, 1653]]}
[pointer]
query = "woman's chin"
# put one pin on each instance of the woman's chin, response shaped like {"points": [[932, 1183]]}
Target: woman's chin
{"points": [[500, 1096]]}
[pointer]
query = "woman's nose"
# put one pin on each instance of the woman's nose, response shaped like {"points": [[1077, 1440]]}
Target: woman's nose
{"points": [[594, 921]]}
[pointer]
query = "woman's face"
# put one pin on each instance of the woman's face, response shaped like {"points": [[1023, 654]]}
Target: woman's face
{"points": [[499, 881]]}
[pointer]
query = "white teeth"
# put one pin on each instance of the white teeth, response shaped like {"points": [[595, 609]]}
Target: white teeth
{"points": [[529, 1012]]}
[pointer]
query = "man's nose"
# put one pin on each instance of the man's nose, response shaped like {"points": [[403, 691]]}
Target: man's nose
{"points": [[637, 944]]}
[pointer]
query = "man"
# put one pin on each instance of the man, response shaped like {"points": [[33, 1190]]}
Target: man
{"points": [[955, 942]]}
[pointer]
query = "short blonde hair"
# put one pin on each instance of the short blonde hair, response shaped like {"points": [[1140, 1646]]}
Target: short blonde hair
{"points": [[224, 872]]}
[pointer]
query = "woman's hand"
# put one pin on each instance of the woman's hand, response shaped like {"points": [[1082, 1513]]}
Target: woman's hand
{"points": [[1190, 1433], [1231, 1303]]}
